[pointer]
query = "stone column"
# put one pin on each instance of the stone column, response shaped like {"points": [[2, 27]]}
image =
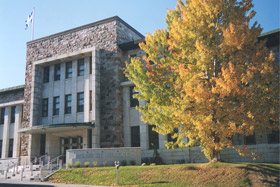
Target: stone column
{"points": [[6, 133], [126, 116], [16, 128], [85, 139]]}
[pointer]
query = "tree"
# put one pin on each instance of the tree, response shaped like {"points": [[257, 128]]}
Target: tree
{"points": [[207, 75]]}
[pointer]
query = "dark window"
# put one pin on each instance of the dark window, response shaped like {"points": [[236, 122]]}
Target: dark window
{"points": [[133, 101], [81, 67], [1, 141], [169, 136], [89, 138], [90, 100], [153, 138], [43, 144], [250, 140], [56, 106], [273, 137], [57, 72], [90, 65], [46, 75], [2, 117], [135, 136], [13, 114], [80, 102], [68, 71], [45, 107], [11, 145], [68, 104]]}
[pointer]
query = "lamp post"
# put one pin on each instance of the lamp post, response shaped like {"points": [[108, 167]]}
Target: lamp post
{"points": [[117, 165]]}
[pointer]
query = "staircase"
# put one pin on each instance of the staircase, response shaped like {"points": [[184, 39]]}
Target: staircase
{"points": [[36, 170]]}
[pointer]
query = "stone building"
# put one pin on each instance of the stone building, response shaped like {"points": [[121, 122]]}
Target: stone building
{"points": [[76, 96]]}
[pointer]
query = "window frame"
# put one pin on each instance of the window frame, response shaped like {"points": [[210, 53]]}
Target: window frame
{"points": [[2, 116], [80, 107], [81, 67], [153, 138], [45, 107], [11, 147], [135, 136], [13, 114], [57, 72], [68, 70], [55, 104], [67, 108], [46, 74], [133, 101]]}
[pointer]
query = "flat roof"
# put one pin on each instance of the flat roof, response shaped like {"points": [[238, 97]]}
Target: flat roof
{"points": [[107, 20], [14, 88]]}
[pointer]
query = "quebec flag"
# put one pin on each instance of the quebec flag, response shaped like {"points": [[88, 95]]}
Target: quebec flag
{"points": [[29, 20]]}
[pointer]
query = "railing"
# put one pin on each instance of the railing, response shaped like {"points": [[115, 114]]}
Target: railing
{"points": [[52, 166]]}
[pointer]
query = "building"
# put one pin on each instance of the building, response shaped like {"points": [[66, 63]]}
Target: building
{"points": [[76, 96]]}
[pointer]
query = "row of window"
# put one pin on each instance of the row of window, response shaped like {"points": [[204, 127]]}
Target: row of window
{"points": [[10, 151], [12, 117], [68, 70], [67, 104]]}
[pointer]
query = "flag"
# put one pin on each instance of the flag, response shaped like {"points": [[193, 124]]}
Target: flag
{"points": [[29, 20]]}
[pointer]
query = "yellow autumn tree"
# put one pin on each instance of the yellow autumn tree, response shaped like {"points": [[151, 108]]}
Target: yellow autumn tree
{"points": [[208, 76]]}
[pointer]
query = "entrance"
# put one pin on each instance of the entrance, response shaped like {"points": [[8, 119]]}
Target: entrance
{"points": [[71, 143]]}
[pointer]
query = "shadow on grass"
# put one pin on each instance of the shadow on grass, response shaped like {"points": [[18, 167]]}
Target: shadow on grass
{"points": [[271, 174]]}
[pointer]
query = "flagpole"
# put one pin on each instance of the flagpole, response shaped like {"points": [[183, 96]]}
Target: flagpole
{"points": [[33, 23]]}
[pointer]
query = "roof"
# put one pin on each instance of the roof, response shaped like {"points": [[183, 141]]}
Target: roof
{"points": [[271, 37], [14, 88], [114, 18]]}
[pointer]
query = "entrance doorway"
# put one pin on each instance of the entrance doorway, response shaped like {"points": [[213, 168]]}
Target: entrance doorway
{"points": [[71, 143]]}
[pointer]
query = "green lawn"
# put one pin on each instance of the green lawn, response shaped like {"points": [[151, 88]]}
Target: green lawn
{"points": [[219, 174]]}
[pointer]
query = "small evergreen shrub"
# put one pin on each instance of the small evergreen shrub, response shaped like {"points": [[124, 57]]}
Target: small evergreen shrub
{"points": [[77, 164], [95, 164], [69, 165], [104, 164], [86, 164], [143, 164], [152, 164]]}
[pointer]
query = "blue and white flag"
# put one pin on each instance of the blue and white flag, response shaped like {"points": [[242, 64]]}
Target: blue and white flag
{"points": [[29, 20]]}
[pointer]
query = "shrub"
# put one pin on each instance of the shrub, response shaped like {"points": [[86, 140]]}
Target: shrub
{"points": [[95, 164], [69, 165], [86, 164], [123, 163], [132, 162], [77, 164], [104, 164], [143, 164], [152, 164]]}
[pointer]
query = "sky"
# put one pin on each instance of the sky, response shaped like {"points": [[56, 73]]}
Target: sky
{"points": [[52, 16]]}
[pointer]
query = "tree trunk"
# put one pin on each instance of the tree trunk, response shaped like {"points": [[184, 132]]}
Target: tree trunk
{"points": [[216, 157]]}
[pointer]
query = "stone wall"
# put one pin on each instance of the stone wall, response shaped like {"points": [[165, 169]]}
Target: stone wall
{"points": [[104, 35]]}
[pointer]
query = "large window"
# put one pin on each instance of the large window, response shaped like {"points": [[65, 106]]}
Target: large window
{"points": [[13, 114], [46, 76], [68, 71], [90, 65], [80, 102], [81, 67], [2, 116], [57, 72], [45, 107], [250, 140], [135, 136], [273, 137], [68, 104], [43, 144], [11, 145], [56, 103], [133, 101], [1, 141], [153, 138], [169, 136], [90, 100]]}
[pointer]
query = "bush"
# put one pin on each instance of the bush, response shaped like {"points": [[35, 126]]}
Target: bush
{"points": [[143, 164], [123, 163], [86, 164], [95, 164], [132, 162], [104, 164], [152, 164], [77, 164], [69, 165]]}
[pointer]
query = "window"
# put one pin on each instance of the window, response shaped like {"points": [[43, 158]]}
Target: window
{"points": [[13, 114], [56, 106], [68, 71], [81, 67], [169, 136], [90, 100], [68, 104], [273, 137], [11, 145], [45, 107], [1, 141], [153, 138], [133, 101], [57, 72], [135, 136], [90, 65], [43, 144], [89, 138], [2, 116], [80, 102], [250, 140], [46, 74]]}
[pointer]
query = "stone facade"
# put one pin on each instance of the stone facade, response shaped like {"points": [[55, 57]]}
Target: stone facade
{"points": [[11, 94]]}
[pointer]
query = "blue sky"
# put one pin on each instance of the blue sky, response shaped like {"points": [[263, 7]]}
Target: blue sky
{"points": [[52, 16]]}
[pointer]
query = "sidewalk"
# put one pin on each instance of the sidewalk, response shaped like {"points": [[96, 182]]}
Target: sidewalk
{"points": [[10, 183]]}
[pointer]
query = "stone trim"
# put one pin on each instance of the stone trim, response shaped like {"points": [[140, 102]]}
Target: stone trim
{"points": [[127, 83], [12, 103]]}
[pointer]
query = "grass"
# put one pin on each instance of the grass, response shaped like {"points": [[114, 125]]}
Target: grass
{"points": [[217, 174]]}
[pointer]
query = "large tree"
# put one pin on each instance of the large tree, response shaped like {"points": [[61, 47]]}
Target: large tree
{"points": [[208, 76]]}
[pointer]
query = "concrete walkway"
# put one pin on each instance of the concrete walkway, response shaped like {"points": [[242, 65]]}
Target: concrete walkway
{"points": [[17, 183]]}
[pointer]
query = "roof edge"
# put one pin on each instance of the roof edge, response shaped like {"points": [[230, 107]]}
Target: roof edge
{"points": [[12, 88]]}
